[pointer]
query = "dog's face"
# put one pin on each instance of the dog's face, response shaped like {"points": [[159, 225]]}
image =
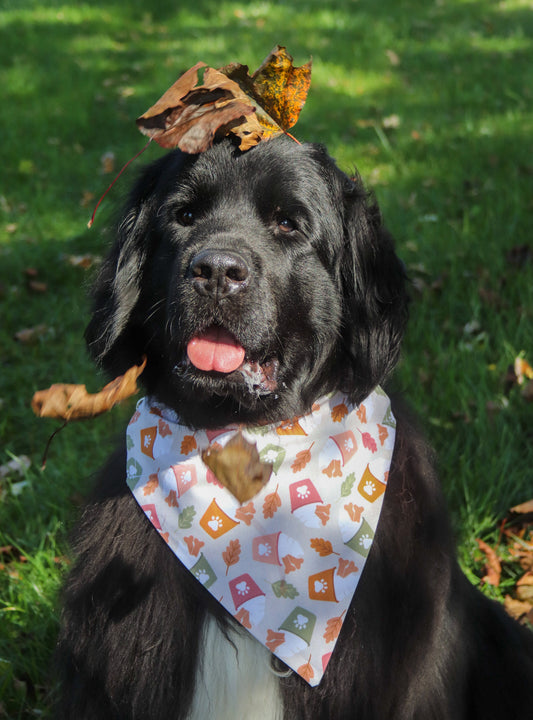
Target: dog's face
{"points": [[253, 282]]}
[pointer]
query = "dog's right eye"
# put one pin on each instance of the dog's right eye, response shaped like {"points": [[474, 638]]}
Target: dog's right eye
{"points": [[185, 217]]}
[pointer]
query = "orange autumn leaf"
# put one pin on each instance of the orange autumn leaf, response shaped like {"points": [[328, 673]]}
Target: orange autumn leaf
{"points": [[346, 567], [73, 402], [188, 444], [151, 485], [333, 628], [306, 671], [493, 567], [232, 554], [193, 544], [243, 616], [361, 414], [274, 640], [291, 563], [339, 412], [322, 547], [383, 433], [301, 460], [245, 513], [322, 513], [271, 504]]}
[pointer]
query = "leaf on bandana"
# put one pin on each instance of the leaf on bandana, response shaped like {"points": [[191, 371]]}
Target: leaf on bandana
{"points": [[151, 485], [369, 442], [333, 469], [238, 467], [164, 428], [361, 414], [339, 412], [193, 544], [172, 499], [186, 517], [306, 671], [188, 444], [243, 616], [383, 433], [274, 640], [347, 485], [245, 513], [322, 512], [354, 511], [271, 504], [73, 402], [301, 460], [346, 567], [493, 566], [283, 589], [333, 628], [232, 554], [291, 563], [322, 547]]}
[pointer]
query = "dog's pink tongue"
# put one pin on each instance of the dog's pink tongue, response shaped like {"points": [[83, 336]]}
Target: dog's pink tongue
{"points": [[216, 350]]}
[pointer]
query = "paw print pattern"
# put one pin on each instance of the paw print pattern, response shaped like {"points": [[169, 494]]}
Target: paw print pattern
{"points": [[300, 621], [369, 487], [365, 541]]}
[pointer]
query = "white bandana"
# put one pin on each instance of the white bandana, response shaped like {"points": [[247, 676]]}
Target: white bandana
{"points": [[285, 564]]}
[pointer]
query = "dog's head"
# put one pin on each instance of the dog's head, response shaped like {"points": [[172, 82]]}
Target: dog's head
{"points": [[253, 282]]}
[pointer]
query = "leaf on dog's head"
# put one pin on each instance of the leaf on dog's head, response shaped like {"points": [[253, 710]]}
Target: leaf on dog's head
{"points": [[191, 116], [73, 402], [238, 467]]}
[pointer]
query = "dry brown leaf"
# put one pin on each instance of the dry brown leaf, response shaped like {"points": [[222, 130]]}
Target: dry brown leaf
{"points": [[73, 402], [523, 508], [517, 608], [238, 467], [493, 566]]}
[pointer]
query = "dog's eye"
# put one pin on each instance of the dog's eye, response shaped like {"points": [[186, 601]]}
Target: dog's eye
{"points": [[185, 217], [286, 225]]}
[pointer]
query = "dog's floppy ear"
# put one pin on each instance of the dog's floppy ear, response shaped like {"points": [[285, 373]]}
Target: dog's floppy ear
{"points": [[113, 338], [375, 296]]}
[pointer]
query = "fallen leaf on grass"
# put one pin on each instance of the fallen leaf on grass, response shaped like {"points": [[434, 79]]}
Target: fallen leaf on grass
{"points": [[238, 467], [73, 402], [493, 568], [27, 336], [518, 609], [523, 508]]}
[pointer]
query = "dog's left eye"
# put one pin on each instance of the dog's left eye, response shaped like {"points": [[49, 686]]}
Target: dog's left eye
{"points": [[286, 225], [185, 217]]}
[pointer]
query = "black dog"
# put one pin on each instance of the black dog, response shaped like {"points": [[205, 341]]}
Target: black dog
{"points": [[286, 257]]}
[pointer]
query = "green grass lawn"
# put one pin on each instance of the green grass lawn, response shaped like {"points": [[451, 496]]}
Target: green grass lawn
{"points": [[432, 101]]}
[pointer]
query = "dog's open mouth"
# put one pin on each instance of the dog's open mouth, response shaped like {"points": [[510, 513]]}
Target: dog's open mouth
{"points": [[218, 354]]}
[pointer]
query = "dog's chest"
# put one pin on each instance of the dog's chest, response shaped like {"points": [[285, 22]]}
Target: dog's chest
{"points": [[234, 680]]}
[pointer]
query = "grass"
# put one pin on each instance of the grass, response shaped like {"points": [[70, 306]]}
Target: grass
{"points": [[432, 101]]}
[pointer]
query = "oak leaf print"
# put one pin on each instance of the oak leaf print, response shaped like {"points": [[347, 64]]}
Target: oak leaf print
{"points": [[151, 485], [232, 554], [361, 414], [164, 428], [339, 412], [333, 628], [291, 563], [281, 588], [271, 504], [347, 485], [186, 517], [322, 547], [369, 442], [322, 513], [188, 444], [306, 671], [301, 460]]}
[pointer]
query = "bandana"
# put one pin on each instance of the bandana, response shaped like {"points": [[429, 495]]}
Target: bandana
{"points": [[286, 564]]}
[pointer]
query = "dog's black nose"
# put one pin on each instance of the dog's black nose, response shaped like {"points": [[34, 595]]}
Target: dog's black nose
{"points": [[218, 273]]}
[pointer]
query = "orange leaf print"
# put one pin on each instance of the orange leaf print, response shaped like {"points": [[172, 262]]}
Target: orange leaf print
{"points": [[164, 428], [383, 433], [339, 412], [188, 444], [346, 567], [245, 513], [274, 640], [232, 554], [172, 499], [333, 469], [361, 414], [301, 460], [243, 616], [153, 482], [322, 512], [271, 504], [333, 628], [354, 511], [306, 671], [193, 544], [291, 563], [322, 547]]}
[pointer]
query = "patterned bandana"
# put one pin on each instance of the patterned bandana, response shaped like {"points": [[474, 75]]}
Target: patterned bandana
{"points": [[285, 564]]}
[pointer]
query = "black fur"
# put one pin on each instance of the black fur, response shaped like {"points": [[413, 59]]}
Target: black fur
{"points": [[324, 297]]}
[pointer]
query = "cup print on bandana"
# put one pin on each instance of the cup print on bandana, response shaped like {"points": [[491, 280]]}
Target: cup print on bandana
{"points": [[298, 628], [275, 548], [203, 572], [248, 599], [215, 521], [305, 499]]}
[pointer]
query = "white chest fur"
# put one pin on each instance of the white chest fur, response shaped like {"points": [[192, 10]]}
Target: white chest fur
{"points": [[234, 680]]}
